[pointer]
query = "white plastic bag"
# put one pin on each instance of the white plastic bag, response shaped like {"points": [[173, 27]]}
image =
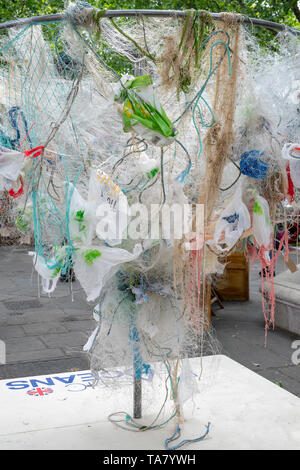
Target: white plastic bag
{"points": [[234, 220], [147, 164], [94, 264], [291, 152], [82, 218], [97, 317], [112, 209], [11, 163], [261, 223], [49, 272]]}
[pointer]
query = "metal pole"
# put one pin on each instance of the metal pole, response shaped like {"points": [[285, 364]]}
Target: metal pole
{"points": [[137, 380], [137, 396], [158, 13], [136, 359]]}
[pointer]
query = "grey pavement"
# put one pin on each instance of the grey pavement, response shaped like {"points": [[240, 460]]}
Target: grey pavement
{"points": [[45, 335], [42, 334], [240, 329]]}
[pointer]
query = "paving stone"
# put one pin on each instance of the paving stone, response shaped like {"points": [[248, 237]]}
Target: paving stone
{"points": [[248, 355], [78, 317], [3, 307], [64, 340], [28, 343], [41, 367], [7, 285], [3, 318], [79, 312], [276, 376], [19, 305], [13, 318], [254, 333], [5, 295], [293, 372], [26, 356], [7, 332], [81, 325], [44, 328], [33, 316]]}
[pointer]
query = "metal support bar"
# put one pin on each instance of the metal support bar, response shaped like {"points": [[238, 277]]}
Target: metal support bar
{"points": [[137, 396], [158, 13], [137, 372]]}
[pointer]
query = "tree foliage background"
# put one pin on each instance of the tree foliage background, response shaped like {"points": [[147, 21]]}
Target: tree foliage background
{"points": [[286, 11]]}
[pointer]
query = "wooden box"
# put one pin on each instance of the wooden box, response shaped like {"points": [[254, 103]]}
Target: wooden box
{"points": [[234, 283]]}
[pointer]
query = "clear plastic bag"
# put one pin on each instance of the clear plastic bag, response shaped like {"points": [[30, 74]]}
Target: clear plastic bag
{"points": [[234, 220], [93, 265], [11, 163], [112, 209], [147, 165], [261, 223], [82, 218], [49, 271]]}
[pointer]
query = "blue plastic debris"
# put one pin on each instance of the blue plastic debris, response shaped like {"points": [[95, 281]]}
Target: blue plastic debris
{"points": [[251, 165]]}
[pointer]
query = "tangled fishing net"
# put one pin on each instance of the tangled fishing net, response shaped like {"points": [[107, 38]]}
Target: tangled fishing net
{"points": [[111, 127]]}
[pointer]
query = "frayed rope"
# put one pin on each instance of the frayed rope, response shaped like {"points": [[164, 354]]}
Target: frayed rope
{"points": [[177, 434]]}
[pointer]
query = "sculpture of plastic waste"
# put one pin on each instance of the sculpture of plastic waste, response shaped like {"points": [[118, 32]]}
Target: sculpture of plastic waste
{"points": [[101, 142]]}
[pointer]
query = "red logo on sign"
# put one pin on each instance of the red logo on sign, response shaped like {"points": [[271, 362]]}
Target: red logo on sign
{"points": [[39, 392]]}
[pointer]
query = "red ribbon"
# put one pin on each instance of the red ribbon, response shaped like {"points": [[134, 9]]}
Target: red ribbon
{"points": [[20, 191], [291, 190], [33, 153]]}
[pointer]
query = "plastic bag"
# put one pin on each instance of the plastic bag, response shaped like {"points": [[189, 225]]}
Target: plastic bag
{"points": [[11, 163], [97, 317], [142, 112], [112, 209], [234, 220], [93, 265], [82, 218], [11, 166], [261, 223], [291, 152], [50, 270], [147, 165]]}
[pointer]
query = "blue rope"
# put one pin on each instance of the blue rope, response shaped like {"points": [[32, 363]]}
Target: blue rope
{"points": [[139, 365], [177, 434], [200, 93], [10, 142]]}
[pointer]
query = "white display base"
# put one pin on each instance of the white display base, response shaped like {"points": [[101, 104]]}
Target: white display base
{"points": [[246, 411]]}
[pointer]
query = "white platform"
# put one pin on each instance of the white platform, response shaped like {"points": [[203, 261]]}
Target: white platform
{"points": [[246, 411]]}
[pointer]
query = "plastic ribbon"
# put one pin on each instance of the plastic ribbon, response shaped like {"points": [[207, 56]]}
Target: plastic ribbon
{"points": [[20, 191]]}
